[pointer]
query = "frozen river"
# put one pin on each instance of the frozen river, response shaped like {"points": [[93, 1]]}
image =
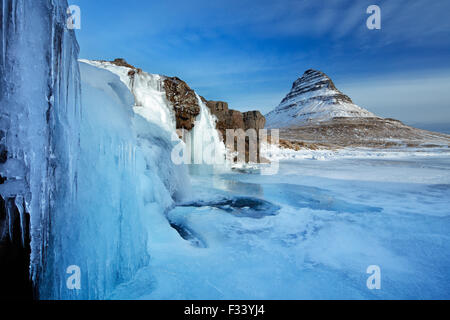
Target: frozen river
{"points": [[308, 232]]}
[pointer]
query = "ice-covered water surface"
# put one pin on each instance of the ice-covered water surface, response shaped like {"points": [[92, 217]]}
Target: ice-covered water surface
{"points": [[328, 221]]}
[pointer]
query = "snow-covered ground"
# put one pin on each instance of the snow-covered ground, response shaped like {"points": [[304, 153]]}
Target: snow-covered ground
{"points": [[276, 153], [308, 232]]}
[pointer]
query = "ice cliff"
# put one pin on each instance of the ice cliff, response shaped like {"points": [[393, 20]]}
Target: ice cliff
{"points": [[85, 161], [88, 170], [39, 124]]}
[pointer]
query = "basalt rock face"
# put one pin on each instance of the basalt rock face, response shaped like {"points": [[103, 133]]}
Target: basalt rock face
{"points": [[233, 119], [226, 118], [184, 101], [254, 120]]}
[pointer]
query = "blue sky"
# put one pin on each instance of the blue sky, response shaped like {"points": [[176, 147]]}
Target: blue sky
{"points": [[248, 53]]}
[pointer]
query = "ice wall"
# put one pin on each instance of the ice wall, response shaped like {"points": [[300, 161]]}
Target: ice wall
{"points": [[80, 174], [125, 178], [39, 116]]}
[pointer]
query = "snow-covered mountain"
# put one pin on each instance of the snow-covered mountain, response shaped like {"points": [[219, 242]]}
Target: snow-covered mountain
{"points": [[314, 98]]}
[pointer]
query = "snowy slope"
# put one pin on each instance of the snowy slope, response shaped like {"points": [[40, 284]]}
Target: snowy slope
{"points": [[313, 98]]}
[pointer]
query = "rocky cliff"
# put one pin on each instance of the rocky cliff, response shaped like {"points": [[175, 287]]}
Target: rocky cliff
{"points": [[186, 106], [233, 119], [184, 102]]}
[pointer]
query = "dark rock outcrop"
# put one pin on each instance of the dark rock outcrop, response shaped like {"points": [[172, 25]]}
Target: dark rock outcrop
{"points": [[184, 102], [254, 120], [233, 119], [122, 63], [226, 118]]}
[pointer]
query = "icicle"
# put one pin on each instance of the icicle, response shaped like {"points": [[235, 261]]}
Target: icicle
{"points": [[10, 219], [4, 32], [13, 15], [19, 205]]}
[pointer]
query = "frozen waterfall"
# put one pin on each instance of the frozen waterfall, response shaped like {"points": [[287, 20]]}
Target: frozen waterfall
{"points": [[39, 126], [85, 168]]}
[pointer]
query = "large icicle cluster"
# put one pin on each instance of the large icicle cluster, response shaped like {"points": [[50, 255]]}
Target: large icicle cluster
{"points": [[39, 117], [82, 176], [85, 182], [125, 178]]}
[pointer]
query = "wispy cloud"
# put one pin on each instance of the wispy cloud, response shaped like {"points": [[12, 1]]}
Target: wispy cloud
{"points": [[249, 52]]}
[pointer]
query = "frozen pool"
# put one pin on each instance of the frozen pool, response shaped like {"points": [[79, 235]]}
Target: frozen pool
{"points": [[309, 232]]}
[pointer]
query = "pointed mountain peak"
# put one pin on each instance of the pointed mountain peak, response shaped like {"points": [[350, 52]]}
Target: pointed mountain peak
{"points": [[314, 80], [314, 98]]}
